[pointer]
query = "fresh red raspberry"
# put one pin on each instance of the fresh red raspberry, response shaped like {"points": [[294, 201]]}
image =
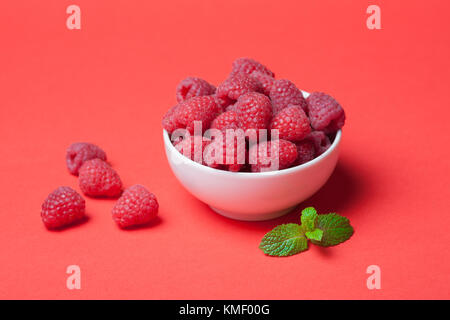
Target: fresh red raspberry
{"points": [[285, 150], [223, 102], [284, 93], [136, 206], [233, 155], [79, 152], [254, 111], [292, 123], [231, 107], [320, 140], [203, 109], [187, 148], [325, 112], [265, 81], [194, 87], [226, 120], [169, 121], [306, 152], [235, 167], [247, 65], [62, 207], [235, 86], [98, 179]]}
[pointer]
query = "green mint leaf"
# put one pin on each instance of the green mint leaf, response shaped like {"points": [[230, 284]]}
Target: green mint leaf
{"points": [[336, 229], [309, 218], [284, 240], [314, 235]]}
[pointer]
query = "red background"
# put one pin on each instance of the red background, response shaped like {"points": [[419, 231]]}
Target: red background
{"points": [[111, 82]]}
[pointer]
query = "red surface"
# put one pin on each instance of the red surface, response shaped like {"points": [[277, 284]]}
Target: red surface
{"points": [[111, 82]]}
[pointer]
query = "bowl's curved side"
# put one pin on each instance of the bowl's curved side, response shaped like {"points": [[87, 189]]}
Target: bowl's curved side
{"points": [[252, 196]]}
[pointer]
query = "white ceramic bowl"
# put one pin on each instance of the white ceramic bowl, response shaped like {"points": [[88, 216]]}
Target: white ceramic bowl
{"points": [[253, 196]]}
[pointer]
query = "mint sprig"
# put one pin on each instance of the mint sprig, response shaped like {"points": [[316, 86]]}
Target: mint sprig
{"points": [[309, 223], [284, 240], [308, 218], [322, 229], [317, 234], [336, 229]]}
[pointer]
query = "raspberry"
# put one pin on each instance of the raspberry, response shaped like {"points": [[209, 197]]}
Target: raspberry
{"points": [[254, 111], [223, 102], [233, 154], [284, 93], [235, 86], [187, 148], [265, 81], [194, 87], [292, 123], [98, 179], [79, 152], [62, 207], [235, 167], [226, 120], [136, 206], [286, 153], [320, 140], [169, 121], [325, 112], [306, 152], [203, 109], [247, 65], [231, 107]]}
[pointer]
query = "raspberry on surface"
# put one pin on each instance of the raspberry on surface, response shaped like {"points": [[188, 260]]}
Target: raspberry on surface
{"points": [[320, 140], [62, 207], [235, 86], [306, 151], [137, 206], [325, 113], [266, 82], [226, 120], [203, 109], [254, 111], [169, 121], [99, 179], [292, 123], [79, 152], [194, 87], [286, 152], [248, 65], [283, 93]]}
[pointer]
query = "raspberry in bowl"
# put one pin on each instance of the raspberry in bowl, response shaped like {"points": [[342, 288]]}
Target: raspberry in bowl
{"points": [[287, 149], [252, 196]]}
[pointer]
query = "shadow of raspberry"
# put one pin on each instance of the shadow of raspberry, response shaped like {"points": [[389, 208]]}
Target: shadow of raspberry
{"points": [[73, 225], [151, 224]]}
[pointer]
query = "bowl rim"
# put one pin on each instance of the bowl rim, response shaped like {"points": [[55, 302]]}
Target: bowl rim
{"points": [[257, 175]]}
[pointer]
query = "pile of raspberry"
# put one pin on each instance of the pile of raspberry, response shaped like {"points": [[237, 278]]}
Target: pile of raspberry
{"points": [[63, 207], [252, 98]]}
